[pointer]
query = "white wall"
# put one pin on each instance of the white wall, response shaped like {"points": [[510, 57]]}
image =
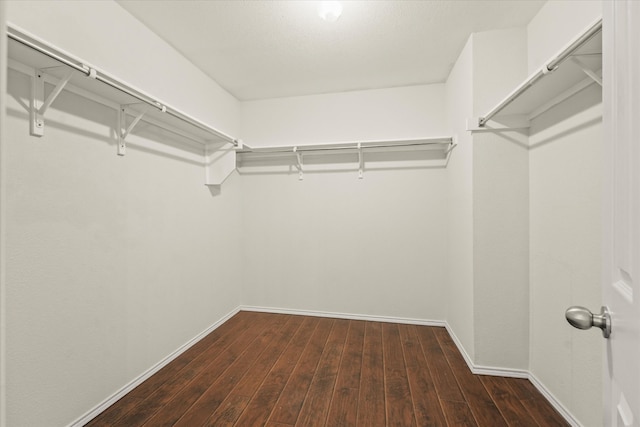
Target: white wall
{"points": [[405, 112], [487, 187], [459, 189], [565, 170], [336, 243], [566, 200], [112, 263], [500, 208]]}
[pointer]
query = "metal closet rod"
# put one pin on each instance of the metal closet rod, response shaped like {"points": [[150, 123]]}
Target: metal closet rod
{"points": [[354, 146], [551, 66], [93, 73]]}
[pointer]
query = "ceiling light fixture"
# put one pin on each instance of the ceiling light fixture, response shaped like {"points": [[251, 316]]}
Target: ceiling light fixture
{"points": [[330, 11]]}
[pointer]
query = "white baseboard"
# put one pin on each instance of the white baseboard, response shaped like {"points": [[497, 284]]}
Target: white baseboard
{"points": [[500, 372], [516, 373], [368, 317], [486, 370], [566, 414], [461, 348], [98, 409]]}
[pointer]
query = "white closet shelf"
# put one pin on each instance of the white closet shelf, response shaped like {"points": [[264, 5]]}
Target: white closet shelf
{"points": [[47, 64], [430, 143], [439, 147], [55, 65], [574, 68]]}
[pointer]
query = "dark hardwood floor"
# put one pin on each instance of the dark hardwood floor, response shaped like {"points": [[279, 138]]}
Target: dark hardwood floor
{"points": [[277, 370]]}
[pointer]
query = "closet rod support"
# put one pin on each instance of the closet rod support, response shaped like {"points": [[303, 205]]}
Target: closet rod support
{"points": [[39, 104], [299, 163], [452, 145], [56, 91], [122, 120], [589, 72], [360, 161], [122, 124], [133, 123]]}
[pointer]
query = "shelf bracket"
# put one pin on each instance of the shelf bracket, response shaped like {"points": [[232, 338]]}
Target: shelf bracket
{"points": [[502, 123], [360, 161], [39, 105], [122, 132], [220, 162], [452, 145], [299, 163], [589, 72]]}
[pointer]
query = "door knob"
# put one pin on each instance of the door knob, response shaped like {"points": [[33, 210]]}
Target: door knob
{"points": [[582, 318]]}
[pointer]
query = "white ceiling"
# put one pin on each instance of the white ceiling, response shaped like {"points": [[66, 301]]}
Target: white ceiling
{"points": [[270, 49]]}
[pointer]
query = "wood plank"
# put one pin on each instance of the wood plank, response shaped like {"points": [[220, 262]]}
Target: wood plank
{"points": [[315, 408], [371, 406], [458, 414], [523, 388], [413, 355], [399, 406], [344, 402], [511, 408], [344, 407], [229, 411], [426, 403], [220, 375], [257, 373], [480, 402], [216, 390], [292, 397], [217, 339], [265, 398], [443, 377], [535, 403], [351, 363]]}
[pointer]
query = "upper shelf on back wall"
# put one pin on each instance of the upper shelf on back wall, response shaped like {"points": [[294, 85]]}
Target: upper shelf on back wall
{"points": [[346, 156], [576, 67]]}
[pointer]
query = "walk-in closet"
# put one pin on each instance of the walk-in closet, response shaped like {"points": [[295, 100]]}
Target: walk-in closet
{"points": [[300, 213]]}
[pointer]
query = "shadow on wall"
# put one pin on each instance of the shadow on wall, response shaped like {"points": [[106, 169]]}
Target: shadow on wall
{"points": [[145, 137], [560, 121], [567, 132], [506, 136]]}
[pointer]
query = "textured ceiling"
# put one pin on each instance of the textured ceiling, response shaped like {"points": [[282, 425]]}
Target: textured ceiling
{"points": [[270, 49]]}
